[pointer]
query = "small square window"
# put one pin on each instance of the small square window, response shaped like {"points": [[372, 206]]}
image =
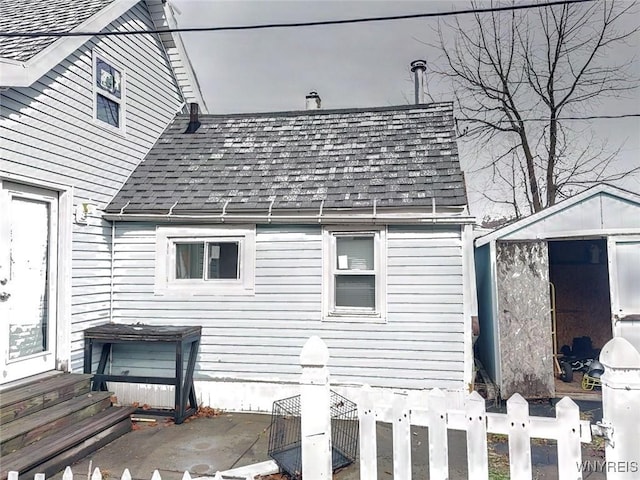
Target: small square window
{"points": [[109, 92], [354, 275]]}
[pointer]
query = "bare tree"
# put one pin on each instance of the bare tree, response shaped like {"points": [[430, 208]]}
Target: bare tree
{"points": [[522, 76]]}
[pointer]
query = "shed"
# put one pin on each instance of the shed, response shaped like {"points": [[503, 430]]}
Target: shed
{"points": [[568, 272]]}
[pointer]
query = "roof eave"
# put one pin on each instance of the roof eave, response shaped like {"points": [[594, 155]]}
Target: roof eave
{"points": [[457, 215], [168, 20], [25, 74], [565, 204]]}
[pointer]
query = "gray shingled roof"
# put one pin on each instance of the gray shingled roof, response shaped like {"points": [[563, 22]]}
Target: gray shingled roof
{"points": [[400, 156], [26, 16]]}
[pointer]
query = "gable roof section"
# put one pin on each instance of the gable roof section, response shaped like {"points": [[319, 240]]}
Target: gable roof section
{"points": [[23, 60], [603, 191], [47, 16], [393, 157]]}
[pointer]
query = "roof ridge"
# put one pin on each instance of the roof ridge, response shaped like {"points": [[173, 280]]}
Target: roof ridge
{"points": [[327, 111]]}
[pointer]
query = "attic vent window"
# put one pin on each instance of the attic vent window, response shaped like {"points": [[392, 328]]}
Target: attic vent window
{"points": [[109, 89]]}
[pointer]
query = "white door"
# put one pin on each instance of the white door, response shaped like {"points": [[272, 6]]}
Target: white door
{"points": [[624, 282], [28, 275]]}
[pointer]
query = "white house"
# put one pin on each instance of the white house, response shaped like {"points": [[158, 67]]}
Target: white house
{"points": [[268, 228], [78, 113]]}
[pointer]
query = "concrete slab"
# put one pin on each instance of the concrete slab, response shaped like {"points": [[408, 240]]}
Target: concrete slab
{"points": [[203, 446]]}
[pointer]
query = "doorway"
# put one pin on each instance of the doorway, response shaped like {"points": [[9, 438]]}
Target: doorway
{"points": [[579, 273], [28, 280]]}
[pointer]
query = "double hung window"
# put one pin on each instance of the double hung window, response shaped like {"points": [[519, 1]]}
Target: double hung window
{"points": [[355, 275], [108, 85]]}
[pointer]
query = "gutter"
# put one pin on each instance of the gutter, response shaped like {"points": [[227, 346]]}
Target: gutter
{"points": [[321, 218]]}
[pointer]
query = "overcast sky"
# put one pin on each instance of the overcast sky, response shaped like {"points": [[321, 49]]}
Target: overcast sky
{"points": [[353, 65]]}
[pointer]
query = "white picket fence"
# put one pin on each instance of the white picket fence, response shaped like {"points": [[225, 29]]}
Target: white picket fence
{"points": [[566, 429], [621, 417], [621, 402], [126, 475]]}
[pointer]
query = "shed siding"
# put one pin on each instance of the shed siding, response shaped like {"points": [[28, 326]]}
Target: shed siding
{"points": [[260, 337], [48, 135]]}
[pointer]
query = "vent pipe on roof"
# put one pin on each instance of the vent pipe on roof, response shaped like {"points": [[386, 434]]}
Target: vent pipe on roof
{"points": [[313, 101], [194, 121], [419, 68]]}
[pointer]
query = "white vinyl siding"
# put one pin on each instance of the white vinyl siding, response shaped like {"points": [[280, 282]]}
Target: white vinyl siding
{"points": [[49, 136], [260, 337]]}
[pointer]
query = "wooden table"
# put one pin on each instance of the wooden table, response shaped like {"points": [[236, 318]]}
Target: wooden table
{"points": [[182, 337]]}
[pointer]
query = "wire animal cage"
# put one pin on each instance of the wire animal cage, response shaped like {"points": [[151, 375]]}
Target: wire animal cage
{"points": [[285, 439]]}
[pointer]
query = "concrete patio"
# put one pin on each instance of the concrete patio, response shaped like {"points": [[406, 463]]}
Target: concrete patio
{"points": [[202, 446]]}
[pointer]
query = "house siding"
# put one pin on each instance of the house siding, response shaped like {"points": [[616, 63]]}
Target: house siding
{"points": [[259, 338], [49, 137]]}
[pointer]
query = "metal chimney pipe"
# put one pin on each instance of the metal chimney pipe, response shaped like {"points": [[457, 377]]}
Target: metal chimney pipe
{"points": [[418, 68], [313, 101]]}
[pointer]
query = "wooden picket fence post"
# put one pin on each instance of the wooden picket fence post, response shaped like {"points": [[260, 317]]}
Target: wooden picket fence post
{"points": [[621, 408], [315, 411]]}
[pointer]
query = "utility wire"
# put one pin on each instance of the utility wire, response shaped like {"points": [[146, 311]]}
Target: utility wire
{"points": [[590, 117], [291, 25]]}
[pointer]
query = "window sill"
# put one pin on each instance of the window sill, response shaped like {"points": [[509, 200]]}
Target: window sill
{"points": [[348, 317], [119, 131], [204, 291]]}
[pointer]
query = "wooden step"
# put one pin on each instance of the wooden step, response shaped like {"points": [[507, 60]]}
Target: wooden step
{"points": [[26, 399], [34, 427], [55, 452]]}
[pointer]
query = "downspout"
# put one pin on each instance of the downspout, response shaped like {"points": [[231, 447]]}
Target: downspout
{"points": [[470, 303], [111, 281]]}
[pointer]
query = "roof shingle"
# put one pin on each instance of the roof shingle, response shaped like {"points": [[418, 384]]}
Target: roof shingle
{"points": [[398, 156], [27, 16]]}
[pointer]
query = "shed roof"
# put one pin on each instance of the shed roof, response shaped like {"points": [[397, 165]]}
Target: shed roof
{"points": [[599, 210], [400, 157]]}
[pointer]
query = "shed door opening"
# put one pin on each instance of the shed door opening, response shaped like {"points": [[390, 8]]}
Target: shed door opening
{"points": [[578, 269]]}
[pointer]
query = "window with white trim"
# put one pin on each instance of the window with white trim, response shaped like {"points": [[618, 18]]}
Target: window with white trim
{"points": [[205, 260], [355, 275], [109, 92]]}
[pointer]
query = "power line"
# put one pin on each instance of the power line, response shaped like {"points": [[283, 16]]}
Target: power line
{"points": [[290, 25], [590, 117]]}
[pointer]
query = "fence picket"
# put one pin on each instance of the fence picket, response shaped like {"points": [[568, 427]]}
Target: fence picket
{"points": [[39, 476], [368, 442], [12, 475], [186, 476], [126, 475], [477, 453], [401, 437], [438, 443], [156, 475], [97, 474], [68, 474], [519, 438], [569, 451]]}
